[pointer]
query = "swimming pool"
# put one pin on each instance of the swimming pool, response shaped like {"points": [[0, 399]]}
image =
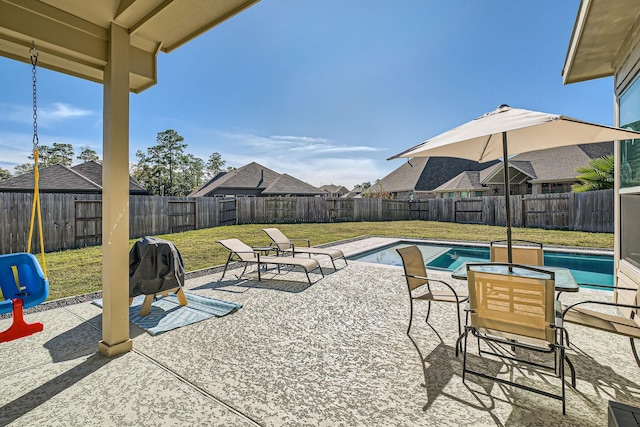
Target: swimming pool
{"points": [[586, 268]]}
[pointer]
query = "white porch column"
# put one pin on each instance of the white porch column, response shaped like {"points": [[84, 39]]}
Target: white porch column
{"points": [[115, 197]]}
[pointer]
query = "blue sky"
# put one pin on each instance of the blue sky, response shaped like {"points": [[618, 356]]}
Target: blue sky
{"points": [[324, 90]]}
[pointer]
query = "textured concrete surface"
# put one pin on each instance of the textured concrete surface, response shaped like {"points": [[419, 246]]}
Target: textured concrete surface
{"points": [[334, 353]]}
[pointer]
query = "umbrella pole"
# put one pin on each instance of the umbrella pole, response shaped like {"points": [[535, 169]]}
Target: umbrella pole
{"points": [[507, 190]]}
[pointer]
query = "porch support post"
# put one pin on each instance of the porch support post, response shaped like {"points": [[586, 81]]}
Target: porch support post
{"points": [[115, 197]]}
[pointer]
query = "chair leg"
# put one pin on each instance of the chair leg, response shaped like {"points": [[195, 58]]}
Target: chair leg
{"points": [[464, 354], [635, 352], [225, 266], [410, 314], [426, 319], [562, 358], [459, 329]]}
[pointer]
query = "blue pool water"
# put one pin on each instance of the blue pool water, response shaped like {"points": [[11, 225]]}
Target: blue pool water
{"points": [[586, 268]]}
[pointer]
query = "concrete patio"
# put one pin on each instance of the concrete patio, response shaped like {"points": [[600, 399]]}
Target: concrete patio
{"points": [[331, 354]]}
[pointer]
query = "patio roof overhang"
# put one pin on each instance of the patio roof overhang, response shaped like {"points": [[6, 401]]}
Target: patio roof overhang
{"points": [[115, 43], [601, 30], [72, 36]]}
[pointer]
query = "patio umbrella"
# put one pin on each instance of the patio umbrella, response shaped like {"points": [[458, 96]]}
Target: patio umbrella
{"points": [[508, 131]]}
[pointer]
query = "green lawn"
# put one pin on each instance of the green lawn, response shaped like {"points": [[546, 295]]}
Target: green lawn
{"points": [[78, 271]]}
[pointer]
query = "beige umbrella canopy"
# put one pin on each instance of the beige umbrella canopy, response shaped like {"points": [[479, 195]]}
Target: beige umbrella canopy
{"points": [[508, 131]]}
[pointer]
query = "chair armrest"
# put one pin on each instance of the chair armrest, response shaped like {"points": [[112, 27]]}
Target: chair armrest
{"points": [[438, 281], [607, 303], [302, 240], [620, 288]]}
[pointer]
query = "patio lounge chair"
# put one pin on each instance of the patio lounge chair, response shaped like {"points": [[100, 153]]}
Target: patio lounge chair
{"points": [[286, 245], [419, 286], [516, 311], [239, 251], [522, 252]]}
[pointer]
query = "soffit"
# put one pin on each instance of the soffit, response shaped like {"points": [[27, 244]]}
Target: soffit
{"points": [[600, 30], [72, 35]]}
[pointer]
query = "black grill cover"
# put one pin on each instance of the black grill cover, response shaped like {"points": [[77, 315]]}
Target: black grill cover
{"points": [[155, 265]]}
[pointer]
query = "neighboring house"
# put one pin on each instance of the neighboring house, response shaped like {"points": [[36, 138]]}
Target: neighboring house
{"points": [[334, 190], [537, 172], [418, 178], [254, 179], [85, 178], [466, 184], [354, 194]]}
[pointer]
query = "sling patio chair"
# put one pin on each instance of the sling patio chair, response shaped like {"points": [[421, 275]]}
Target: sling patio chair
{"points": [[287, 246], [239, 251], [522, 252], [625, 321], [512, 311], [420, 286]]}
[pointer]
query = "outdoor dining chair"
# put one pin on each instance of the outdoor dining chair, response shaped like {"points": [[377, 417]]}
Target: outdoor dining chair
{"points": [[420, 286], [625, 321], [523, 252], [516, 312]]}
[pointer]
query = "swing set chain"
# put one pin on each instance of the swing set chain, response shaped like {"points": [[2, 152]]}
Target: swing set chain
{"points": [[34, 61]]}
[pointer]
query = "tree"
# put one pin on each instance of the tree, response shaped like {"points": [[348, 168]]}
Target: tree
{"points": [[598, 175], [215, 164], [376, 191], [87, 154], [190, 174], [58, 154], [4, 174], [156, 168]]}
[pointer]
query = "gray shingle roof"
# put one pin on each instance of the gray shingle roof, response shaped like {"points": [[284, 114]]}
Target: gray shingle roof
{"points": [[334, 189], [554, 164], [428, 173], [257, 178], [93, 171], [84, 178], [288, 185], [465, 181]]}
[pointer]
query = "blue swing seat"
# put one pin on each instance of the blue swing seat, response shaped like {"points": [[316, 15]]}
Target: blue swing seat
{"points": [[32, 288]]}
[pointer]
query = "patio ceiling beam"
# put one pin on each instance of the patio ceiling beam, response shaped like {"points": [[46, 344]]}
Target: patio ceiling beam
{"points": [[55, 31], [68, 44]]}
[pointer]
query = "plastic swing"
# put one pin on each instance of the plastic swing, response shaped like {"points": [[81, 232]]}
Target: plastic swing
{"points": [[23, 284]]}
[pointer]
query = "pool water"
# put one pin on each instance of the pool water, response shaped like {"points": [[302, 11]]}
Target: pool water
{"points": [[586, 268]]}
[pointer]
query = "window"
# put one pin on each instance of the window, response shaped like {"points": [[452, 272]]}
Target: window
{"points": [[478, 194], [464, 194], [552, 187], [630, 241], [630, 149], [451, 194]]}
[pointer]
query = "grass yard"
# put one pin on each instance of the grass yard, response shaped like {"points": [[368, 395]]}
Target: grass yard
{"points": [[77, 271]]}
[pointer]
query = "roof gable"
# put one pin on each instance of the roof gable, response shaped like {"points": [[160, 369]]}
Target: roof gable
{"points": [[428, 173], [83, 178], [286, 184], [254, 176], [465, 181]]}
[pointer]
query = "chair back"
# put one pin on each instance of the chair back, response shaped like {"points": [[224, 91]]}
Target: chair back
{"points": [[242, 250], [520, 304], [282, 242], [413, 264], [523, 252]]}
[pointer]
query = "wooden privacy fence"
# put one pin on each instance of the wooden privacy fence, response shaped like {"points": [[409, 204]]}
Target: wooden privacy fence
{"points": [[75, 220]]}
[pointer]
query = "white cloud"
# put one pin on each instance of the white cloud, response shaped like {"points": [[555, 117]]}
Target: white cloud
{"points": [[47, 115], [317, 161]]}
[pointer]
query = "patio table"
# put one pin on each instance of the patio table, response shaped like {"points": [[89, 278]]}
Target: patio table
{"points": [[565, 281]]}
